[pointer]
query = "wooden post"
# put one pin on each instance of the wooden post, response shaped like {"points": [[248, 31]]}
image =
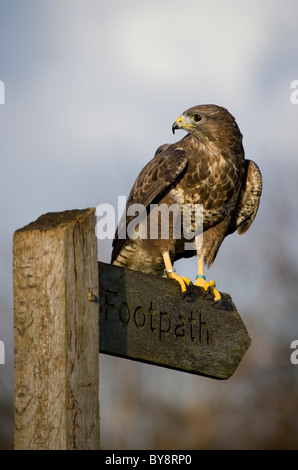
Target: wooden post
{"points": [[56, 332]]}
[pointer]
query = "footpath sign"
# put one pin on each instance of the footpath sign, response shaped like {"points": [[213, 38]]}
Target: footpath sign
{"points": [[144, 318]]}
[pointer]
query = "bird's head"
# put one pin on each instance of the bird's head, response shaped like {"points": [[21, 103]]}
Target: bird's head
{"points": [[208, 121]]}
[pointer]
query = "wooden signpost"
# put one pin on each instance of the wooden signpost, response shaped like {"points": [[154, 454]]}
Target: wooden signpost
{"points": [[67, 306]]}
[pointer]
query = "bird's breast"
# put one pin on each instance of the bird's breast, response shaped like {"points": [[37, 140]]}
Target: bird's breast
{"points": [[212, 182]]}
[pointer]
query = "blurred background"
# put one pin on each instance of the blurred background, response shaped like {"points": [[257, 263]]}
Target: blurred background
{"points": [[91, 90]]}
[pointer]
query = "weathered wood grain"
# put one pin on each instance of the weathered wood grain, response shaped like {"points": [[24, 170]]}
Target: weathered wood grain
{"points": [[143, 317], [56, 333]]}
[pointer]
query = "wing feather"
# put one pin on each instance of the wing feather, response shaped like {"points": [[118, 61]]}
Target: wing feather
{"points": [[249, 197], [153, 181]]}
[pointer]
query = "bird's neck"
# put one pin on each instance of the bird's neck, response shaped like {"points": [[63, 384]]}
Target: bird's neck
{"points": [[202, 143], [215, 149]]}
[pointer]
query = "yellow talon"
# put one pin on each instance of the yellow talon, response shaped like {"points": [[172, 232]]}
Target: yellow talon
{"points": [[201, 282], [171, 273], [183, 281]]}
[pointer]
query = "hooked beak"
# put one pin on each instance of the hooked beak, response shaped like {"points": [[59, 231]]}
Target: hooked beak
{"points": [[177, 124]]}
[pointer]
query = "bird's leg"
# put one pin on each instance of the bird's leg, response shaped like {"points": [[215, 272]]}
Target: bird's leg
{"points": [[171, 273], [201, 281]]}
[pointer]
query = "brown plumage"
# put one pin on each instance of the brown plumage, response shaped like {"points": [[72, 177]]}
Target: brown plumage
{"points": [[206, 167]]}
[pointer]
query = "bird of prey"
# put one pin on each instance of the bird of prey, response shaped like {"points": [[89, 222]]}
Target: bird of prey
{"points": [[208, 168]]}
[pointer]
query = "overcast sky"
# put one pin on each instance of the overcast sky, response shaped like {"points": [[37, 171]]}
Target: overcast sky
{"points": [[92, 89]]}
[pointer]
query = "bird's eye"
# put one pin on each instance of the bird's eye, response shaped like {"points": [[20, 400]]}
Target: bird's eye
{"points": [[197, 117]]}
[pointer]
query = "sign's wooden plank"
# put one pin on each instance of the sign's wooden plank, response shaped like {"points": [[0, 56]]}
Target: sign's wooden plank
{"points": [[144, 318]]}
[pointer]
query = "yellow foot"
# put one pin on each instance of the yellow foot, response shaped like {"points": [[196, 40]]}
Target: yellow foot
{"points": [[207, 286], [185, 282]]}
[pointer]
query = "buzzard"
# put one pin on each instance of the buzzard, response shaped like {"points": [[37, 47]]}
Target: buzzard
{"points": [[207, 168]]}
